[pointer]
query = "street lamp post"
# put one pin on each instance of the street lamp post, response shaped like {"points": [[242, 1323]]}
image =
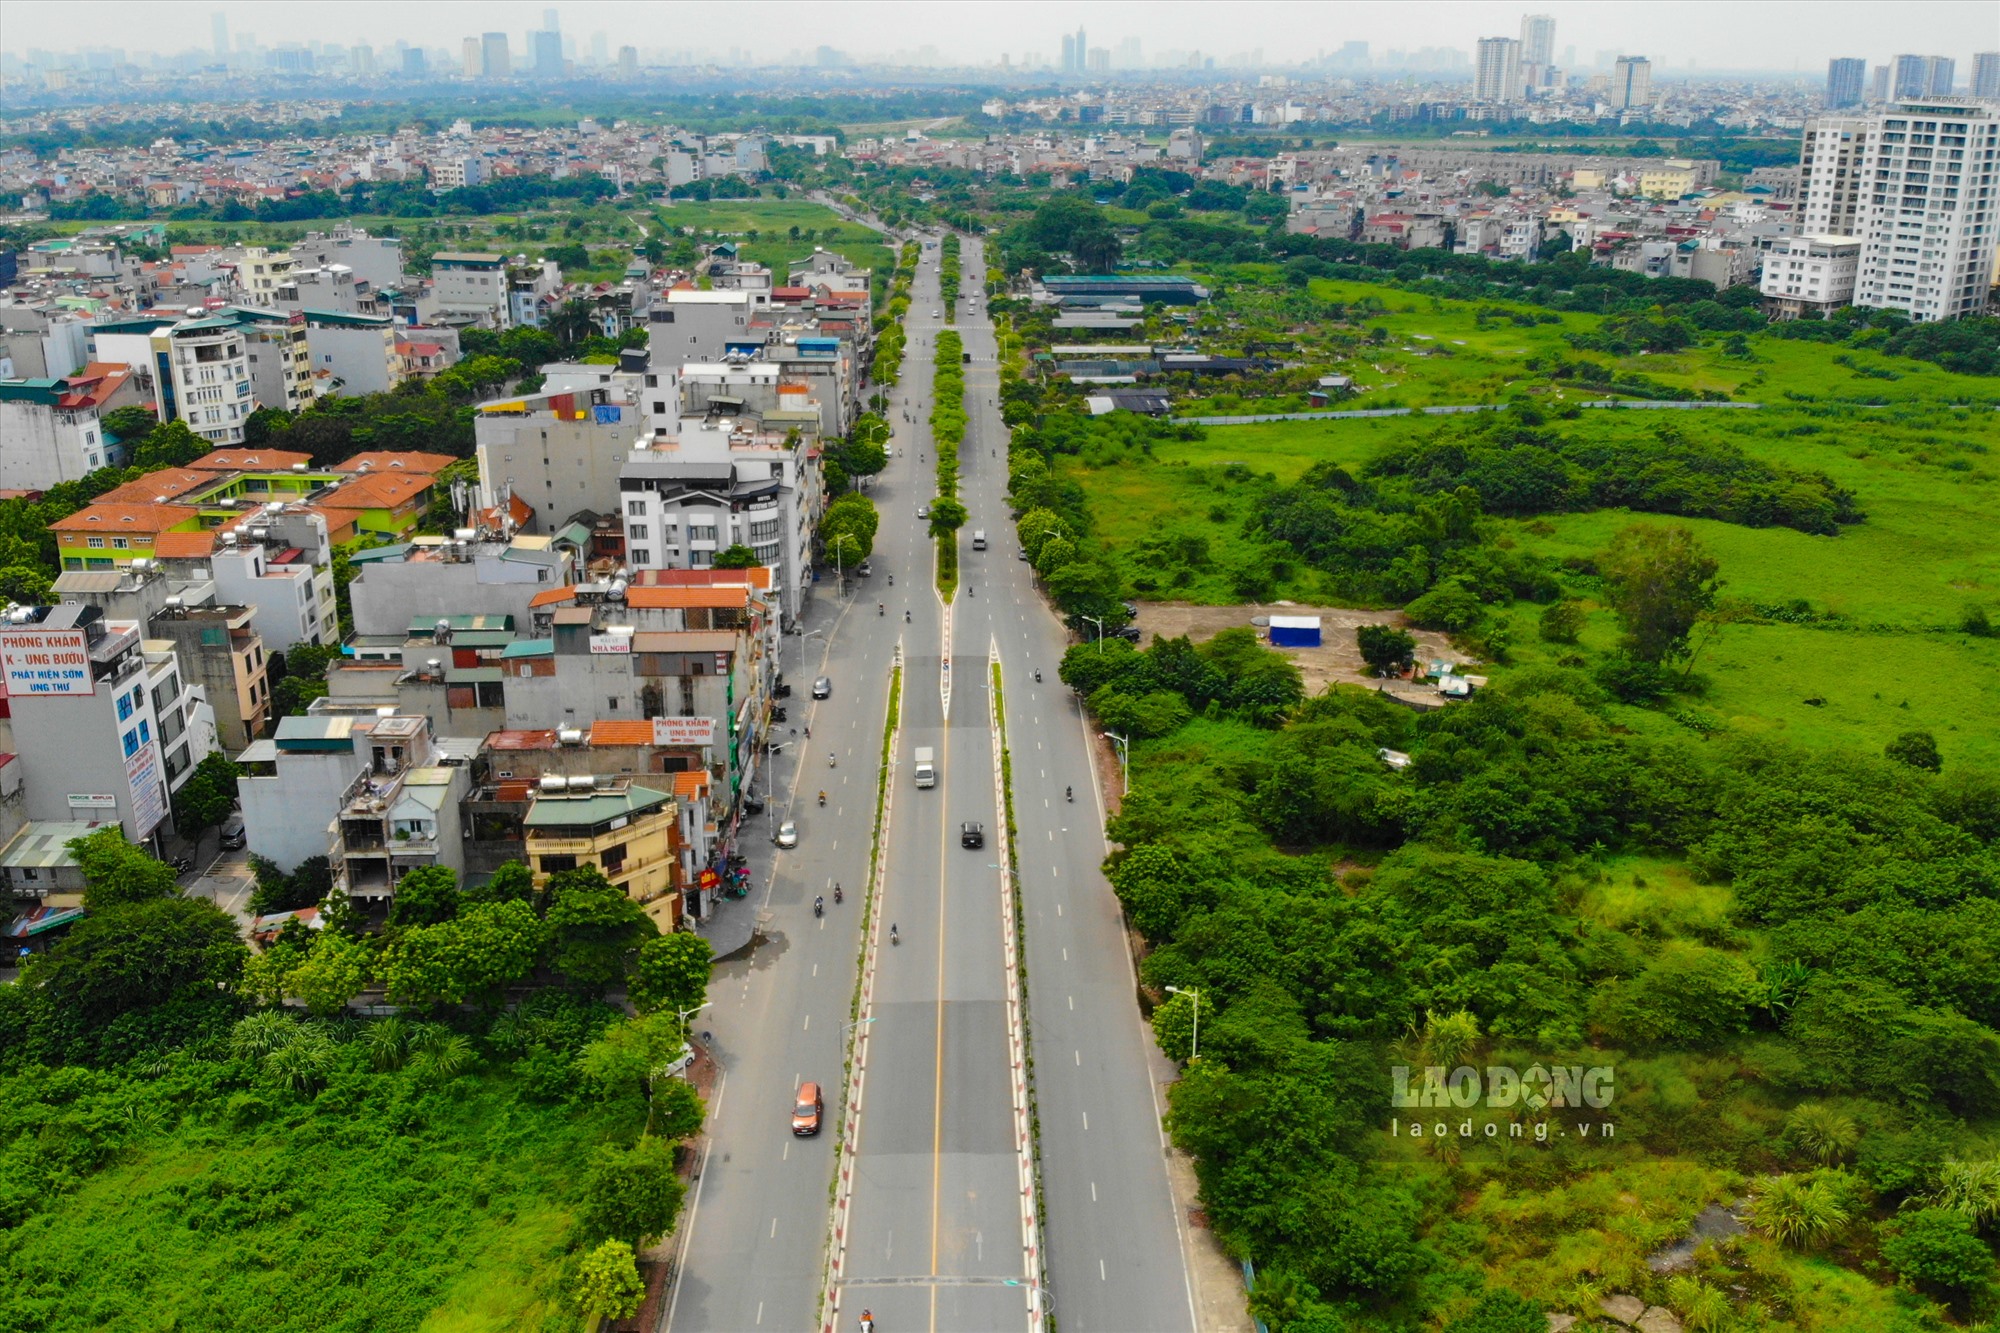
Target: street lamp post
{"points": [[1194, 1043], [1124, 761], [684, 1015], [805, 634], [1100, 629]]}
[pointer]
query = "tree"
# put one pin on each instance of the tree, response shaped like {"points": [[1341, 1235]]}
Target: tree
{"points": [[1174, 1025], [1562, 621], [1660, 582], [947, 516], [672, 973], [426, 896], [116, 873], [332, 974], [1689, 995], [1386, 649], [631, 1055], [1501, 1312], [26, 585], [139, 955], [207, 797], [171, 444], [738, 556], [607, 1282], [1918, 749], [129, 425], [573, 321], [513, 882], [631, 1194], [594, 927], [476, 956]]}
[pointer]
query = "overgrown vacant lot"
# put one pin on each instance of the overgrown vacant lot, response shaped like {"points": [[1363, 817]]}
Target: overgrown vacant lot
{"points": [[1865, 621]]}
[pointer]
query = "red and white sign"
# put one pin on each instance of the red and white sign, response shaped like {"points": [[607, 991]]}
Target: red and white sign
{"points": [[47, 661], [683, 731]]}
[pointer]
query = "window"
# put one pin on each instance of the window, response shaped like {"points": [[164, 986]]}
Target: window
{"points": [[94, 543], [555, 865], [642, 555], [635, 508], [131, 743], [145, 731], [614, 859], [611, 704], [636, 531], [124, 707]]}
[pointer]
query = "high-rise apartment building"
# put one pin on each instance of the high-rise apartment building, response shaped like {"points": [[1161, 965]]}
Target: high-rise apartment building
{"points": [[1068, 54], [1843, 82], [1538, 39], [1986, 76], [218, 26], [1878, 85], [1923, 76], [1497, 77], [547, 53], [493, 53], [628, 62], [1916, 183], [472, 58], [1632, 83]]}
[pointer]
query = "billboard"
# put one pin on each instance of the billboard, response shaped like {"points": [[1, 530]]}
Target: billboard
{"points": [[149, 790], [47, 662], [683, 731], [610, 643]]}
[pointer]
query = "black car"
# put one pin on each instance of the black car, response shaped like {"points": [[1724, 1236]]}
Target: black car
{"points": [[1127, 632], [971, 834]]}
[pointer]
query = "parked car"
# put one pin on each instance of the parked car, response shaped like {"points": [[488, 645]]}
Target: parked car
{"points": [[788, 834], [823, 687], [971, 834], [1130, 633], [865, 570], [807, 1108], [234, 836], [923, 511]]}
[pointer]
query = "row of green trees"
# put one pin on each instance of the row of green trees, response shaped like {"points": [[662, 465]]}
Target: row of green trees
{"points": [[948, 273], [948, 421], [890, 337]]}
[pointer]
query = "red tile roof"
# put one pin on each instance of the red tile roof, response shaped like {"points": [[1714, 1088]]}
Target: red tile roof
{"points": [[126, 518], [250, 460], [619, 731], [167, 484], [184, 545], [382, 460]]}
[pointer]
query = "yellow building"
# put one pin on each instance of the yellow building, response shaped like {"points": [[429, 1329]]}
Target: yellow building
{"points": [[1670, 180], [630, 833]]}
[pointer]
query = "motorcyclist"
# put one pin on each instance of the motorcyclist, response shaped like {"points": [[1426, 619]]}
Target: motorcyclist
{"points": [[832, 760], [893, 937], [1069, 794], [836, 890], [1038, 676], [906, 617], [819, 906], [822, 796], [879, 609]]}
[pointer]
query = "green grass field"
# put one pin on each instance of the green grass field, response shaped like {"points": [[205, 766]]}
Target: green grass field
{"points": [[772, 220]]}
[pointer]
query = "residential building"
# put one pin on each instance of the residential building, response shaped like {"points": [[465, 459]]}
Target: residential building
{"points": [[375, 260], [1810, 277], [395, 586], [1986, 76], [1844, 80], [560, 451], [214, 371], [700, 326], [219, 649], [471, 288], [1538, 48], [455, 171], [1832, 178], [494, 61], [51, 430], [545, 48], [261, 272], [727, 479], [1497, 75], [36, 865], [629, 832], [1922, 76], [353, 354], [1671, 179], [1632, 83], [322, 769], [38, 344], [83, 717], [1928, 225]]}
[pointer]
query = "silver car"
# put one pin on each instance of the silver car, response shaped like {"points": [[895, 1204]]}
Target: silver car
{"points": [[788, 834]]}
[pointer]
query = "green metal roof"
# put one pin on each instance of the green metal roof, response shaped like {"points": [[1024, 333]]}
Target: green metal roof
{"points": [[590, 811], [332, 732], [528, 648], [422, 626], [472, 675], [376, 554]]}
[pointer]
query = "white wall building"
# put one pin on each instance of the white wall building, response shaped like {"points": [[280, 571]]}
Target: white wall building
{"points": [[1810, 277], [471, 287], [52, 431], [1497, 73]]}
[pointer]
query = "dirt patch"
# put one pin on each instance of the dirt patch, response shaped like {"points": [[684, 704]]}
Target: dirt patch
{"points": [[1337, 659]]}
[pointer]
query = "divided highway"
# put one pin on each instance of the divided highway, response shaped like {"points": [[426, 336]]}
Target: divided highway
{"points": [[934, 1237]]}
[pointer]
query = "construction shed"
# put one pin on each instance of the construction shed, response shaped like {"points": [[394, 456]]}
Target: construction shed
{"points": [[1295, 631]]}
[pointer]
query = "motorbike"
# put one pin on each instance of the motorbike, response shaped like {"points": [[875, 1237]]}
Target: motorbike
{"points": [[836, 892], [880, 609], [906, 617], [1069, 794], [819, 907], [777, 715], [822, 798], [1038, 678], [832, 761], [181, 864], [894, 938]]}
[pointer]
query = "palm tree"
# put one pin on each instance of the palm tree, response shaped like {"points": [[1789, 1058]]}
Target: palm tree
{"points": [[573, 322]]}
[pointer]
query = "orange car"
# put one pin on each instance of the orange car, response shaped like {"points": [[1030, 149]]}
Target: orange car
{"points": [[806, 1109]]}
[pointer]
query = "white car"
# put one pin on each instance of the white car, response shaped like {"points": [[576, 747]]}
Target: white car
{"points": [[788, 834], [923, 511], [937, 314]]}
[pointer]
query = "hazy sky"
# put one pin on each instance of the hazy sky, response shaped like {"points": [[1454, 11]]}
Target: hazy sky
{"points": [[1716, 34]]}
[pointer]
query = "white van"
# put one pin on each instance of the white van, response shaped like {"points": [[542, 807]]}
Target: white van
{"points": [[979, 540]]}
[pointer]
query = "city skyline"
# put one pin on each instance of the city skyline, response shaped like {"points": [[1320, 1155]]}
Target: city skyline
{"points": [[983, 35]]}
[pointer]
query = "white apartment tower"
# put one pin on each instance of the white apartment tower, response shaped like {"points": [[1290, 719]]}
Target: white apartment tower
{"points": [[1986, 76], [1916, 184], [1538, 48], [1497, 78]]}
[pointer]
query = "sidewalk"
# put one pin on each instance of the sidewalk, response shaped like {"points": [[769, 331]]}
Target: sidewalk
{"points": [[730, 925]]}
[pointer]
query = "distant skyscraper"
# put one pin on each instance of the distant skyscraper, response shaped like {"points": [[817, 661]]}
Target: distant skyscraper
{"points": [[1632, 83], [1943, 74], [1082, 50], [1878, 84], [547, 53], [600, 50], [1843, 82], [472, 58], [1497, 80], [493, 51], [1912, 77], [414, 64], [550, 21], [1986, 75], [1538, 39], [1069, 54], [628, 62], [218, 26]]}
